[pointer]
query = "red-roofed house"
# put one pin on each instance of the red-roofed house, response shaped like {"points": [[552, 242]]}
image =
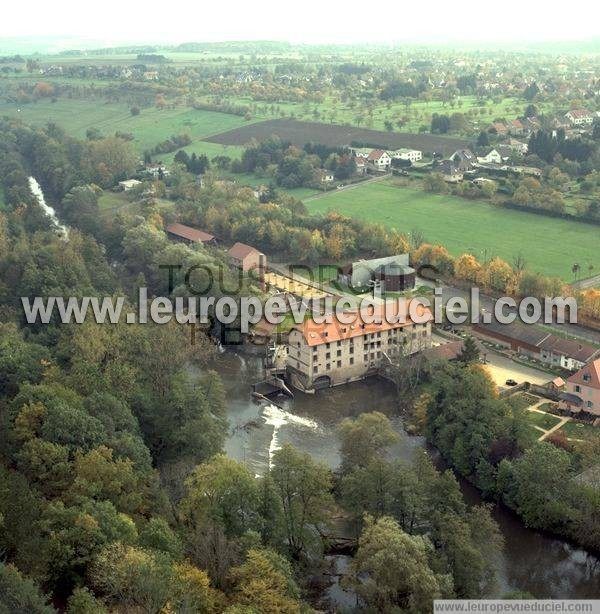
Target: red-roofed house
{"points": [[582, 391], [187, 234]]}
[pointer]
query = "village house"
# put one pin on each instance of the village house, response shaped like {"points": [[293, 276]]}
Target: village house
{"points": [[324, 176], [582, 390], [380, 159], [517, 146], [189, 235], [129, 184], [449, 171], [361, 165], [579, 117], [492, 157], [248, 258], [515, 126], [463, 160], [499, 128], [329, 354], [414, 155]]}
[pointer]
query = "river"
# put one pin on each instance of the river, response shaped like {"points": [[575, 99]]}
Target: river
{"points": [[534, 562]]}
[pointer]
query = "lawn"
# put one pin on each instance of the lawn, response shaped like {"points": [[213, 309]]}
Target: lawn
{"points": [[545, 421], [149, 127], [549, 245], [577, 430]]}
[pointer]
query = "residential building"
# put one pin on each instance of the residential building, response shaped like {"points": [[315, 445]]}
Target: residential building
{"points": [[463, 160], [517, 146], [449, 171], [414, 155], [324, 176], [129, 184], [499, 128], [515, 126], [248, 258], [330, 354], [380, 159], [361, 165], [492, 157], [579, 117], [582, 390], [189, 235]]}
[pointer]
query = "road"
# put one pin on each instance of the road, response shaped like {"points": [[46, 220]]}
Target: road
{"points": [[350, 186]]}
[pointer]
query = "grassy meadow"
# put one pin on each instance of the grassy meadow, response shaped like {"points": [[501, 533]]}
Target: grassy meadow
{"points": [[549, 245], [149, 127]]}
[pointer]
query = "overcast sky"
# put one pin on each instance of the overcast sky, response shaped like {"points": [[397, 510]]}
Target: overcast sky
{"points": [[320, 21]]}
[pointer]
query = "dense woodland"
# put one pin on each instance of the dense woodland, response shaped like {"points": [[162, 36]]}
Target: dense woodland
{"points": [[114, 491]]}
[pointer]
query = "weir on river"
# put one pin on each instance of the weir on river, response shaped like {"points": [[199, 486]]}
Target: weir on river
{"points": [[542, 565]]}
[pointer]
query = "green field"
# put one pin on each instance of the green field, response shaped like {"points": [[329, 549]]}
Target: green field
{"points": [[2, 201], [149, 127], [210, 150], [549, 245]]}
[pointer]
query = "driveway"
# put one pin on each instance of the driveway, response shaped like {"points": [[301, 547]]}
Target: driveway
{"points": [[502, 368]]}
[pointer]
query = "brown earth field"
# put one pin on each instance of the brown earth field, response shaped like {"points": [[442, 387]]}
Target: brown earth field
{"points": [[299, 133]]}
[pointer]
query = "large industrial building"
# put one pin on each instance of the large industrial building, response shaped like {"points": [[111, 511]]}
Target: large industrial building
{"points": [[330, 354]]}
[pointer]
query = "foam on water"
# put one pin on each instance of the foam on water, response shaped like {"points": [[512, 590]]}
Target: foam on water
{"points": [[276, 417], [36, 190]]}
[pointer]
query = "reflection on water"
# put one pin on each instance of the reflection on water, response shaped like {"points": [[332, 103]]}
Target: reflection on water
{"points": [[532, 562]]}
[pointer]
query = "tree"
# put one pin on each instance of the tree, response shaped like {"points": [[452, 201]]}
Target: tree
{"points": [[264, 582], [467, 267], [391, 570], [469, 352], [363, 439], [135, 111], [304, 489], [20, 595], [483, 139]]}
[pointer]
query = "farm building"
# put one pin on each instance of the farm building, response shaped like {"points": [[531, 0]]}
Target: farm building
{"points": [[393, 272], [187, 234], [529, 340], [248, 258]]}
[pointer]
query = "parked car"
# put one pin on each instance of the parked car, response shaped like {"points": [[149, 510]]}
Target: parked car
{"points": [[511, 382]]}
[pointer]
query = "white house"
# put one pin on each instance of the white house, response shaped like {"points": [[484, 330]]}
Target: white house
{"points": [[129, 184], [380, 159], [414, 155], [324, 176], [579, 117], [492, 157]]}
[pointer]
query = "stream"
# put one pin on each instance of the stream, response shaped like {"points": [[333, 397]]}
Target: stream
{"points": [[540, 564]]}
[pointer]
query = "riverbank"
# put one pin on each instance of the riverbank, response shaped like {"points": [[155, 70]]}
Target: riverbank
{"points": [[543, 565]]}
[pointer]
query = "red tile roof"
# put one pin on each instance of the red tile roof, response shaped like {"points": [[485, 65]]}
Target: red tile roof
{"points": [[318, 333], [191, 234], [241, 250], [376, 154]]}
